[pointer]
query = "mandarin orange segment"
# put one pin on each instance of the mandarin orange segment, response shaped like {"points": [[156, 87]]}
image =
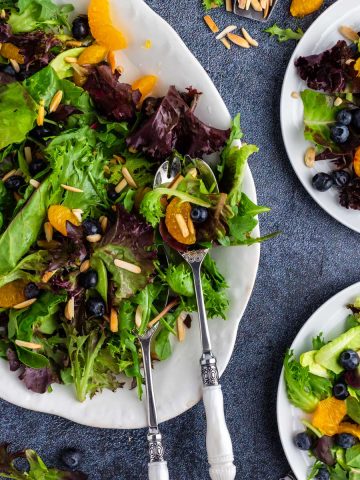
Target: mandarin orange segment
{"points": [[93, 55], [328, 415], [58, 215], [12, 294], [179, 223], [10, 51], [346, 427], [300, 8], [102, 28], [145, 84], [356, 162]]}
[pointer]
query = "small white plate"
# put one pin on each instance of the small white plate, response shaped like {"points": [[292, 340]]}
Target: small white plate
{"points": [[177, 381], [322, 34], [330, 320]]}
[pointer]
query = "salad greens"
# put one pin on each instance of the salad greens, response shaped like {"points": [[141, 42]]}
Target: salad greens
{"points": [[82, 231], [285, 34]]}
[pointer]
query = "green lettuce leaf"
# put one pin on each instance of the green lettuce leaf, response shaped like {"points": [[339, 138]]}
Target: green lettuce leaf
{"points": [[284, 34], [28, 268], [208, 4]]}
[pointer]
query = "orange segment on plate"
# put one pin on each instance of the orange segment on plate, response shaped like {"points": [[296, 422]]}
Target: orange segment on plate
{"points": [[10, 51], [58, 215], [93, 55], [12, 294], [145, 84], [301, 8], [179, 223], [102, 28], [349, 428], [356, 162], [328, 415]]}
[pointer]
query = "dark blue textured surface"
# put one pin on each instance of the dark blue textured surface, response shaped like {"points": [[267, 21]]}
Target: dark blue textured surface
{"points": [[311, 261]]}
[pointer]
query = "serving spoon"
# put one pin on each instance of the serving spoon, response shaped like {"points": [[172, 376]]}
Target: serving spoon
{"points": [[218, 440]]}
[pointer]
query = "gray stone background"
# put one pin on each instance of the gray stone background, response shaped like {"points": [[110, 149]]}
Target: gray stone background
{"points": [[313, 259]]}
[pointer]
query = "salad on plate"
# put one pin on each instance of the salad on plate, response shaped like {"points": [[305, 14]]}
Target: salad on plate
{"points": [[325, 384], [82, 264]]}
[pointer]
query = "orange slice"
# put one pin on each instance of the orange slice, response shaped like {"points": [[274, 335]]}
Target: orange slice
{"points": [[102, 28], [10, 51], [328, 415], [12, 294], [58, 215], [145, 84], [179, 223], [93, 55], [356, 162], [301, 8], [349, 428]]}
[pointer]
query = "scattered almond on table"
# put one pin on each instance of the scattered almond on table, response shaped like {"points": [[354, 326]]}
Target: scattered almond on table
{"points": [[228, 37]]}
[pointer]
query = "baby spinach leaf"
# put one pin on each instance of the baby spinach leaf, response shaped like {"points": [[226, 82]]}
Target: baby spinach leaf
{"points": [[31, 358], [352, 456], [163, 345], [102, 285], [28, 268], [353, 409]]}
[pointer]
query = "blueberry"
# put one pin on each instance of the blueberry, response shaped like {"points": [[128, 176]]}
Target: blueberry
{"points": [[80, 27], [14, 182], [71, 457], [31, 290], [40, 132], [345, 440], [112, 194], [340, 391], [8, 69], [91, 226], [303, 441], [339, 133], [322, 474], [344, 117], [341, 178], [349, 359], [322, 182], [88, 279], [355, 122], [36, 166], [199, 214], [95, 307]]}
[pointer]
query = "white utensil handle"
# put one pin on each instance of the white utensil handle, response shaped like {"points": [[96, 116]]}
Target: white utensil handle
{"points": [[158, 471], [218, 441]]}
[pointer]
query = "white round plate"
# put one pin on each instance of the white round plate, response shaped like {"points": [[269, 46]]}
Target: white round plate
{"points": [[329, 319], [322, 34], [177, 380]]}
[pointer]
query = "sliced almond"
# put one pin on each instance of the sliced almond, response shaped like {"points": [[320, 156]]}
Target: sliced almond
{"points": [[239, 41], [78, 213], [15, 65], [71, 189], [309, 158], [28, 154], [94, 238], [228, 5], [22, 343], [180, 220], [226, 30], [176, 182], [34, 183], [256, 5], [73, 43], [121, 185], [130, 267], [225, 43], [211, 24], [3, 13], [114, 321], [191, 227], [138, 316], [47, 275], [85, 266], [70, 309], [295, 95], [338, 101], [267, 8], [128, 177], [70, 59], [163, 313], [349, 33], [56, 100], [181, 332], [249, 39], [49, 231], [192, 172], [25, 304], [263, 4]]}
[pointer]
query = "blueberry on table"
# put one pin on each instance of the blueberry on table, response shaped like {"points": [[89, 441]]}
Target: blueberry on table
{"points": [[71, 457], [31, 290], [322, 182], [322, 474], [199, 214], [345, 440], [340, 391], [344, 117], [36, 166], [91, 226], [341, 178], [14, 182], [339, 133], [95, 307], [355, 122], [349, 359], [80, 27], [303, 441], [88, 279]]}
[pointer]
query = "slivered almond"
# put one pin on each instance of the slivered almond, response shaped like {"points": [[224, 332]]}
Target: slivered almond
{"points": [[228, 5], [8, 175], [130, 267], [56, 100], [49, 231], [138, 316], [28, 154], [34, 183], [242, 4], [177, 180], [248, 4], [22, 343], [256, 5], [263, 4], [70, 59], [73, 43], [239, 41], [226, 30], [249, 39], [41, 114], [3, 13], [128, 177], [309, 158], [15, 65], [180, 220], [70, 309], [338, 101], [25, 304], [94, 238], [192, 172], [267, 8], [121, 185], [104, 223], [114, 321], [225, 43], [163, 313], [349, 33], [78, 213], [180, 326], [71, 189], [47, 275], [295, 95], [211, 24], [85, 266]]}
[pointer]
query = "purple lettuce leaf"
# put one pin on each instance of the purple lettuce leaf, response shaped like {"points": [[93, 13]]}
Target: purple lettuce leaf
{"points": [[63, 112], [350, 195], [328, 70], [114, 100], [72, 249], [322, 450], [5, 32], [173, 126], [37, 379], [14, 362]]}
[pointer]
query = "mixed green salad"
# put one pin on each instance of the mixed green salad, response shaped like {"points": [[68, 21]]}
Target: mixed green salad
{"points": [[325, 384], [332, 116], [82, 270]]}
